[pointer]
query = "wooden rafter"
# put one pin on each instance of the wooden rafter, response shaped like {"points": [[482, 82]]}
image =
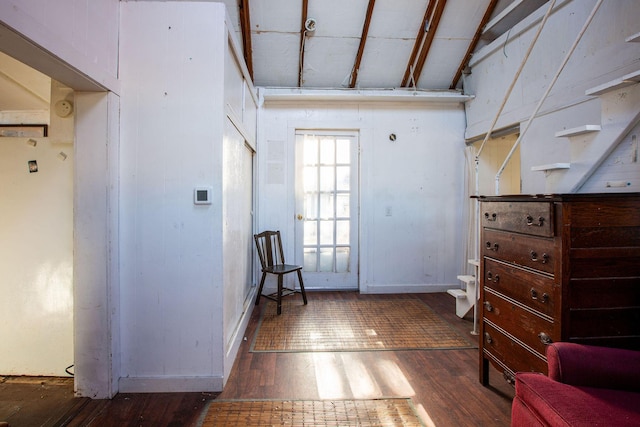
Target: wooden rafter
{"points": [[431, 33], [363, 41], [305, 6], [245, 25], [474, 43], [419, 41]]}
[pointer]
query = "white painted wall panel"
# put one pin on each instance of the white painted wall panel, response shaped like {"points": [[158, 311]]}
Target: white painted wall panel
{"points": [[233, 85], [36, 258], [620, 172], [237, 205], [82, 33], [419, 177], [96, 257], [602, 55], [172, 73]]}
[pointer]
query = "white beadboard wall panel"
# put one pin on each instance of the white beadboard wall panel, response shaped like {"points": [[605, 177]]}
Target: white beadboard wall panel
{"points": [[417, 176]]}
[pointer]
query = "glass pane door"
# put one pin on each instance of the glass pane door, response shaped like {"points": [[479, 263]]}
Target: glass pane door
{"points": [[327, 211]]}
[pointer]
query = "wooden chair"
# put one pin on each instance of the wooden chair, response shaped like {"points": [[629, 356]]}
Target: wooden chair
{"points": [[269, 245]]}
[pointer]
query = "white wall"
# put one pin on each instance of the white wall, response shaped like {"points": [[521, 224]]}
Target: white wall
{"points": [[36, 256], [620, 170], [179, 314], [238, 151], [81, 34], [96, 254], [419, 176], [601, 56], [76, 43]]}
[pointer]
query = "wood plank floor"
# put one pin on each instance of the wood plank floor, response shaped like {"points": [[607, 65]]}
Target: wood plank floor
{"points": [[442, 384]]}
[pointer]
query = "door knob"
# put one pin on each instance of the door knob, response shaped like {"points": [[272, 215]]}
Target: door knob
{"points": [[300, 217]]}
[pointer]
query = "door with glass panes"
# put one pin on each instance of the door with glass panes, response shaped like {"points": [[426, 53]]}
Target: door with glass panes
{"points": [[327, 208]]}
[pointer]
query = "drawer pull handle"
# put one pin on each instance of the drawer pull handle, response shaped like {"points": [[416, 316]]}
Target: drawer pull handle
{"points": [[491, 217], [487, 338], [488, 306], [492, 278], [492, 248], [534, 296], [509, 377], [530, 222], [544, 338], [534, 257]]}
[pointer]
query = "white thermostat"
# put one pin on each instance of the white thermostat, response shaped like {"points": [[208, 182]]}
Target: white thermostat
{"points": [[202, 196]]}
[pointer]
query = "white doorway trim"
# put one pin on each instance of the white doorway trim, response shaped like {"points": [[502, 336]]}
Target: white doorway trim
{"points": [[96, 305]]}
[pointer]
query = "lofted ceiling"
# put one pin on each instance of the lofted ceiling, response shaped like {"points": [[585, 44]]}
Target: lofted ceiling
{"points": [[368, 44], [364, 44]]}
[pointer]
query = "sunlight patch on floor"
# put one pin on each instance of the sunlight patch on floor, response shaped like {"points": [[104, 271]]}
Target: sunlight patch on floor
{"points": [[328, 376], [361, 382], [394, 378]]}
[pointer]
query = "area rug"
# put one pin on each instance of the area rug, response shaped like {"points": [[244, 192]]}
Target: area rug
{"points": [[364, 413], [395, 324]]}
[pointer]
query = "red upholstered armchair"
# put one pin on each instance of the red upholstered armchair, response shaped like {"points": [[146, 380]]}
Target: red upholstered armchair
{"points": [[586, 386]]}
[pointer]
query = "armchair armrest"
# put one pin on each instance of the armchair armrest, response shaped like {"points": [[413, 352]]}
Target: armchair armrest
{"points": [[591, 366]]}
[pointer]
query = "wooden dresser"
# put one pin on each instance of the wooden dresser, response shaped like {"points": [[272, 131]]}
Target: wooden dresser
{"points": [[557, 268]]}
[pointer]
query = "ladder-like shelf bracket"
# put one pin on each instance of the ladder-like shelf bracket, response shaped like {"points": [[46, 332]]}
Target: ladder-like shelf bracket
{"points": [[579, 130], [551, 166], [626, 80]]}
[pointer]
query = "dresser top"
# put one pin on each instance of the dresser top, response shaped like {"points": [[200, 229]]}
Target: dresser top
{"points": [[557, 197]]}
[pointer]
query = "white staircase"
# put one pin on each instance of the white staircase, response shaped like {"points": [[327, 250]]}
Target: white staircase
{"points": [[467, 296]]}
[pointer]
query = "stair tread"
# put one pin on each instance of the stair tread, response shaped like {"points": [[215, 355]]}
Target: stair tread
{"points": [[458, 293], [467, 278]]}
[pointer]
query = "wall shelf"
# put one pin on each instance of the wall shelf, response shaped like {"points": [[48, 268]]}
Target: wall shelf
{"points": [[578, 130], [551, 166], [626, 80]]}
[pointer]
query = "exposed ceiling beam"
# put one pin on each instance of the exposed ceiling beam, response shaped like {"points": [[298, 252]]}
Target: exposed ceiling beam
{"points": [[245, 26], [474, 43], [363, 41], [303, 35], [431, 33], [418, 44]]}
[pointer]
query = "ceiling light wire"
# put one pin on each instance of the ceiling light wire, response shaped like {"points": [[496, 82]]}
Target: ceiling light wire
{"points": [[304, 39]]}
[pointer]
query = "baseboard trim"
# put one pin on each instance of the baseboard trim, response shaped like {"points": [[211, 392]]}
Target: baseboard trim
{"points": [[170, 384], [406, 289]]}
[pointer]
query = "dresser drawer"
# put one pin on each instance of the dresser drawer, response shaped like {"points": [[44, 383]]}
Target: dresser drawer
{"points": [[507, 351], [531, 329], [534, 290], [529, 251], [535, 218]]}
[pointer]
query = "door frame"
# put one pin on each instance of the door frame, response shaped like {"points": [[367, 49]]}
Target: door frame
{"points": [[356, 134]]}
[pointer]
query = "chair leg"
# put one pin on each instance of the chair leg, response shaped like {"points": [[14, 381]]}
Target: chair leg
{"points": [[264, 275], [279, 294], [304, 294]]}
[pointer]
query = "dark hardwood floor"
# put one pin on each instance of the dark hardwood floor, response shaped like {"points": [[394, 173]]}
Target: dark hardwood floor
{"points": [[442, 384]]}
